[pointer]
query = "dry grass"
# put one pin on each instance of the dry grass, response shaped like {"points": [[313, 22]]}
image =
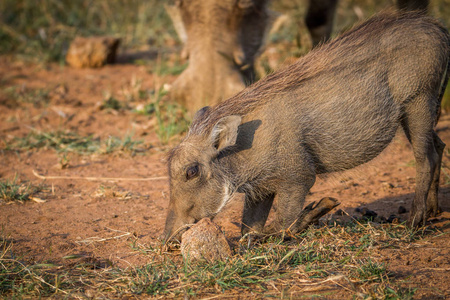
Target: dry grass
{"points": [[339, 258], [19, 191]]}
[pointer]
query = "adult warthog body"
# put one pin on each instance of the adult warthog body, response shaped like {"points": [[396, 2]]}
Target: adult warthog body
{"points": [[334, 109]]}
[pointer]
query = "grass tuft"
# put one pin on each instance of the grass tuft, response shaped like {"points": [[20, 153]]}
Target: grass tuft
{"points": [[164, 66], [171, 118], [72, 142], [15, 96], [109, 102], [16, 191]]}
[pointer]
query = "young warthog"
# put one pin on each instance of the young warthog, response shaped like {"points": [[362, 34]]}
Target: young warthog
{"points": [[334, 109]]}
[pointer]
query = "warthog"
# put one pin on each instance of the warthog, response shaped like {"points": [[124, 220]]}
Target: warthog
{"points": [[334, 109], [223, 38], [222, 41]]}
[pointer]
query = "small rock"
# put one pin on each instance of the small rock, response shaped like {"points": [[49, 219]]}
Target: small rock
{"points": [[92, 52], [204, 241], [401, 210]]}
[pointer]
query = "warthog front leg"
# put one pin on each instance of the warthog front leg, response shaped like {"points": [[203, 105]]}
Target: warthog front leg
{"points": [[291, 198], [255, 213]]}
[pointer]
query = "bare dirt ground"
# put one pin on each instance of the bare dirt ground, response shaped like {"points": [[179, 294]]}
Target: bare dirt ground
{"points": [[102, 219]]}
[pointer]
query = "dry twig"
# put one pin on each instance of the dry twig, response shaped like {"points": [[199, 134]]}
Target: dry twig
{"points": [[99, 178]]}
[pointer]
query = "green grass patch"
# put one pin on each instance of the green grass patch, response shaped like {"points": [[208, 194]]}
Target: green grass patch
{"points": [[171, 118], [111, 103], [42, 30], [15, 96], [71, 142], [319, 257], [16, 191], [171, 121], [371, 271], [165, 66], [125, 144]]}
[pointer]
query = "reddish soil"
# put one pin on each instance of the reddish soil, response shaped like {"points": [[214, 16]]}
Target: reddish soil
{"points": [[101, 219]]}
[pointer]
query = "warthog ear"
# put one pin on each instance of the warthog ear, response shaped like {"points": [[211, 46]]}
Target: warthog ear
{"points": [[225, 132]]}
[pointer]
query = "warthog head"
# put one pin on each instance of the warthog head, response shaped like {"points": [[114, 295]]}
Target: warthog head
{"points": [[199, 184]]}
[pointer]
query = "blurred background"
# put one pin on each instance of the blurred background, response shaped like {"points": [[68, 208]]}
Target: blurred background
{"points": [[41, 31]]}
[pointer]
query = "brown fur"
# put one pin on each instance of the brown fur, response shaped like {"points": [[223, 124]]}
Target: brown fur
{"points": [[319, 60], [334, 109]]}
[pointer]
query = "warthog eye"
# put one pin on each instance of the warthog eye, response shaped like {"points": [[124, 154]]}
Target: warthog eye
{"points": [[192, 172]]}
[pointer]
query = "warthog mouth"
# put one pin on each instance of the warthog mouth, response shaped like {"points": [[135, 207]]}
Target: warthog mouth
{"points": [[176, 236]]}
